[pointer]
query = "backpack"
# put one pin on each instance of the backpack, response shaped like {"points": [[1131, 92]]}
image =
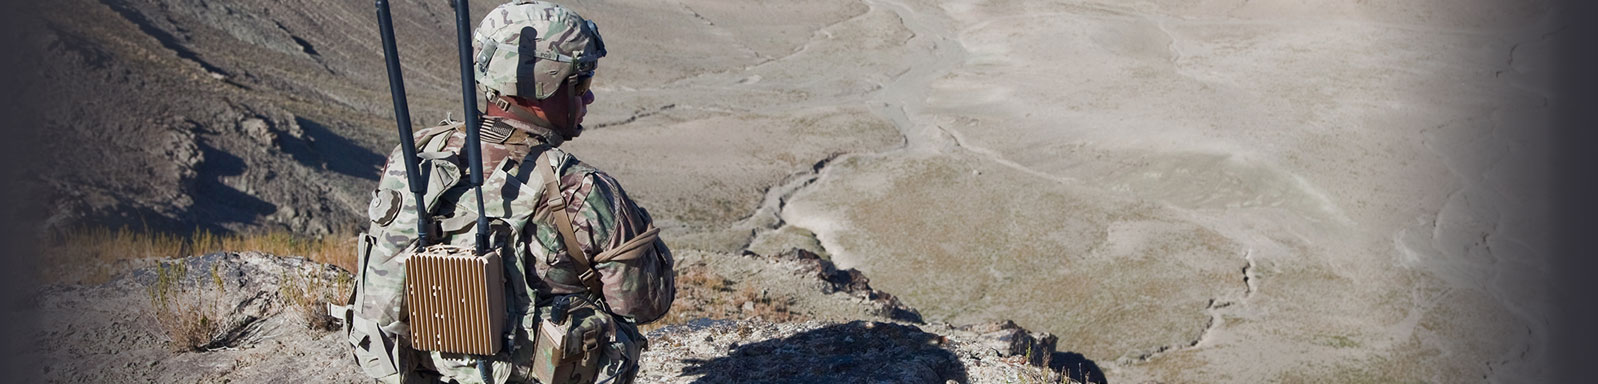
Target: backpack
{"points": [[625, 285]]}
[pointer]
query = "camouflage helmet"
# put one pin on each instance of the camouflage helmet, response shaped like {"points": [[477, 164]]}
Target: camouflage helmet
{"points": [[527, 48]]}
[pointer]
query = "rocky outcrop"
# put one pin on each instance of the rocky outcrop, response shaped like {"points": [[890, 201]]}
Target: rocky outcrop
{"points": [[262, 333], [114, 330], [710, 351]]}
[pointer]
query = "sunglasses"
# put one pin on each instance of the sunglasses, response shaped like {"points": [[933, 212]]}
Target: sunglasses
{"points": [[582, 82]]}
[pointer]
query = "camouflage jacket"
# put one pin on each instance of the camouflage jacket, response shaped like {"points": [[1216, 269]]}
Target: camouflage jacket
{"points": [[635, 289]]}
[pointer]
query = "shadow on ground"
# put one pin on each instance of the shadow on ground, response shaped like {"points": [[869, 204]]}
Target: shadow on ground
{"points": [[856, 352], [326, 149], [215, 202], [1077, 367]]}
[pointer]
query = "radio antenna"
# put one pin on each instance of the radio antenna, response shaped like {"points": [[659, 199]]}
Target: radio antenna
{"points": [[402, 117], [474, 142], [474, 121]]}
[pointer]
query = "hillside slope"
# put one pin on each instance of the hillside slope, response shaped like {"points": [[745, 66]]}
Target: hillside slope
{"points": [[241, 115], [111, 331]]}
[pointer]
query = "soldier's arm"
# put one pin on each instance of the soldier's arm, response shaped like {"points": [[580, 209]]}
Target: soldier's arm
{"points": [[634, 264]]}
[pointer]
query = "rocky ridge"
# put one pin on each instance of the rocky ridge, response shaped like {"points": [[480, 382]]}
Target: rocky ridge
{"points": [[839, 329]]}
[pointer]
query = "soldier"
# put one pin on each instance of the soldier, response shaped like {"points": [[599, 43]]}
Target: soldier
{"points": [[588, 266]]}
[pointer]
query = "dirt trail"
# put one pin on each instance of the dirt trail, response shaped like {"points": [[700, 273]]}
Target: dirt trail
{"points": [[933, 53]]}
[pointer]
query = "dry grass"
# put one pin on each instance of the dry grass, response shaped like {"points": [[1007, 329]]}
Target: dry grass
{"points": [[192, 318], [94, 255], [1025, 374], [310, 292], [338, 250], [701, 293]]}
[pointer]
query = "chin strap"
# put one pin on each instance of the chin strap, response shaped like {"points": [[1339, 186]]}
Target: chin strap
{"points": [[576, 100], [526, 115], [521, 113]]}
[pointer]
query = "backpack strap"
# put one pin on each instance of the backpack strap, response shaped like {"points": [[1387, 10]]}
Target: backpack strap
{"points": [[632, 249], [563, 223]]}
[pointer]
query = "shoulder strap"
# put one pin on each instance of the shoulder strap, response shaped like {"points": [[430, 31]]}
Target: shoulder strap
{"points": [[563, 222]]}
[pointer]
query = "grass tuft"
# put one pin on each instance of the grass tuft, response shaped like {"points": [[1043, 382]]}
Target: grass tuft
{"points": [[192, 318], [701, 293], [310, 292]]}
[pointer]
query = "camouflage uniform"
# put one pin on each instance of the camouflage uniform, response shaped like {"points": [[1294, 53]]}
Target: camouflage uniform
{"points": [[634, 267]]}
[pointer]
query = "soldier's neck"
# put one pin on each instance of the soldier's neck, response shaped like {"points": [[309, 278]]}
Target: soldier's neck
{"points": [[534, 124]]}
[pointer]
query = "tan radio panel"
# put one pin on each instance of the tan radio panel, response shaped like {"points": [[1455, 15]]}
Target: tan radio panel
{"points": [[456, 300]]}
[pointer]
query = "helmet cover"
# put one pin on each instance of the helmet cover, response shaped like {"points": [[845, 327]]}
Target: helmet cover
{"points": [[527, 48]]}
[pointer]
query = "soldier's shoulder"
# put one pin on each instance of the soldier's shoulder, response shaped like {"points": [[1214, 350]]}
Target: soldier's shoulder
{"points": [[590, 180], [578, 167]]}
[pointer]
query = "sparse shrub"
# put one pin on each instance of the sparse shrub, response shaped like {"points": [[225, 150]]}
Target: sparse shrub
{"points": [[701, 293], [310, 292], [192, 318], [1025, 374], [754, 302], [698, 276]]}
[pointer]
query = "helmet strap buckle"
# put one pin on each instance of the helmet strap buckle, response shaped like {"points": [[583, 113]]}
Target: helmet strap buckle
{"points": [[504, 105]]}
